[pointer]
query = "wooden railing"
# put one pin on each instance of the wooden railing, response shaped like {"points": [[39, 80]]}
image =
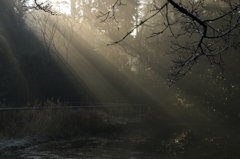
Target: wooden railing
{"points": [[113, 109]]}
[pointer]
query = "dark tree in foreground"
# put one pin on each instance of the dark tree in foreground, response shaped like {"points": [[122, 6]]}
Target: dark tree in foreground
{"points": [[193, 28]]}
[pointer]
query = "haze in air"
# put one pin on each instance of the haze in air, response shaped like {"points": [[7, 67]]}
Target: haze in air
{"points": [[82, 56]]}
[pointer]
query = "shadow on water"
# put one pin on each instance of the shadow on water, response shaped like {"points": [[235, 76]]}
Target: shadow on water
{"points": [[171, 141]]}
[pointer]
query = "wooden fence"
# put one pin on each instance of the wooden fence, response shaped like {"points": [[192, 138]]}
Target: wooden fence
{"points": [[120, 110]]}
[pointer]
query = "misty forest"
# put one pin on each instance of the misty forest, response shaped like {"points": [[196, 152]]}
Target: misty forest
{"points": [[119, 79]]}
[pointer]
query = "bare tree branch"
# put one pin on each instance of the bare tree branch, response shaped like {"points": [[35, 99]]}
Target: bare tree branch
{"points": [[111, 13], [193, 34], [140, 24], [206, 38], [44, 6]]}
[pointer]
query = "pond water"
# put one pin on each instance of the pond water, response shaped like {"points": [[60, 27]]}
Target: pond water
{"points": [[208, 143], [93, 148]]}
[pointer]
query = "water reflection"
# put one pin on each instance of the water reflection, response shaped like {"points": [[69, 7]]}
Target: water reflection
{"points": [[93, 148], [169, 142]]}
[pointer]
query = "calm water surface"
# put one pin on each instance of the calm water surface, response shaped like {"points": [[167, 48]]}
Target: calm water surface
{"points": [[209, 143], [93, 148]]}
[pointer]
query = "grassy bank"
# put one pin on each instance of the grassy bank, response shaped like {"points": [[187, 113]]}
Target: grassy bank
{"points": [[52, 122], [22, 129]]}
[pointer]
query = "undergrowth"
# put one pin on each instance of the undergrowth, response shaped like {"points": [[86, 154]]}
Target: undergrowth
{"points": [[52, 121]]}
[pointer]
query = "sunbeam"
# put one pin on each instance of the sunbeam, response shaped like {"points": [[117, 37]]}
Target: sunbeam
{"points": [[135, 78]]}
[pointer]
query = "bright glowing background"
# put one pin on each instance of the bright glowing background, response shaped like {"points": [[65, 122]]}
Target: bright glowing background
{"points": [[62, 6]]}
